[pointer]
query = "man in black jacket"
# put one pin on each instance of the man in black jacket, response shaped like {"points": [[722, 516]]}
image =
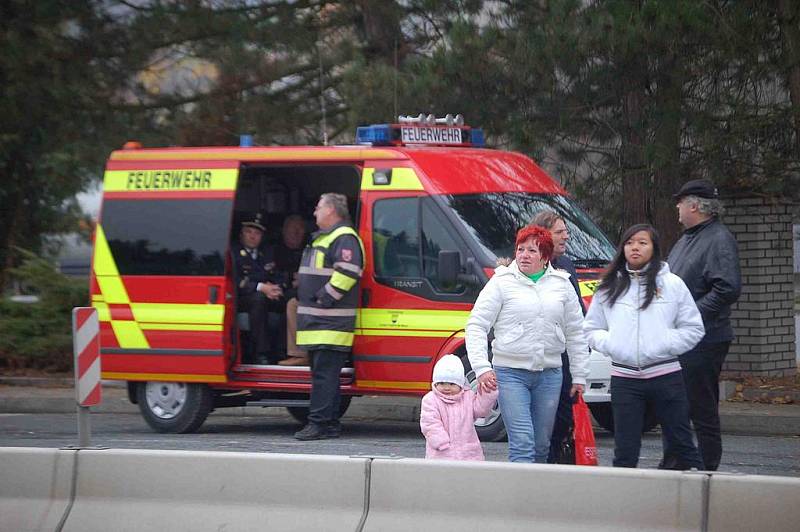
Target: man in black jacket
{"points": [[707, 259]]}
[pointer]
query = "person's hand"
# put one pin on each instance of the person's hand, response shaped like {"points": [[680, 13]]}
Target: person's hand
{"points": [[272, 291], [487, 382], [576, 388], [295, 279]]}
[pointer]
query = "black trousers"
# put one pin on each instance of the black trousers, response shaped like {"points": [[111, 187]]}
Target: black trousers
{"points": [[256, 305], [701, 368], [667, 395], [564, 421], [326, 365]]}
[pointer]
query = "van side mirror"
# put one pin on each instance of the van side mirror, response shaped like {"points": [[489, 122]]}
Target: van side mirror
{"points": [[449, 269]]}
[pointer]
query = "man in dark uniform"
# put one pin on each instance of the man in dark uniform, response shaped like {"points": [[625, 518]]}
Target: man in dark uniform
{"points": [[257, 290], [558, 230], [328, 296]]}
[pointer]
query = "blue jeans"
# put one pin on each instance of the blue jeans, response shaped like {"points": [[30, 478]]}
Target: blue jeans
{"points": [[528, 402], [667, 394]]}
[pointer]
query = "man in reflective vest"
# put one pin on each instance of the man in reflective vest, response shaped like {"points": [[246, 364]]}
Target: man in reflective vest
{"points": [[326, 314]]}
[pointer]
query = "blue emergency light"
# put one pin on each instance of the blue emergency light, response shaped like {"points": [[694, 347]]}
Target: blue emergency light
{"points": [[378, 135], [476, 136]]}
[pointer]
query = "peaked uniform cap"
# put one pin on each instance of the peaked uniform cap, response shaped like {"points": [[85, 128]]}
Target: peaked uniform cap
{"points": [[255, 220]]}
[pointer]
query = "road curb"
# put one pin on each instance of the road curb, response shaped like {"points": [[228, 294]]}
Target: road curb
{"points": [[49, 396], [759, 425]]}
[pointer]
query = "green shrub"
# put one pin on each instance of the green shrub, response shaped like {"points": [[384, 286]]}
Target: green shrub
{"points": [[39, 335]]}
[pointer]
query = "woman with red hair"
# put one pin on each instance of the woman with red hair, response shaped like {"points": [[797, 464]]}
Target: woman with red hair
{"points": [[536, 316]]}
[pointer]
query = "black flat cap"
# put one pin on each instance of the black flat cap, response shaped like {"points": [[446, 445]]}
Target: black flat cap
{"points": [[702, 188]]}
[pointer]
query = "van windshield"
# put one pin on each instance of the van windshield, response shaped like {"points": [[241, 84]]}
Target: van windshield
{"points": [[494, 218]]}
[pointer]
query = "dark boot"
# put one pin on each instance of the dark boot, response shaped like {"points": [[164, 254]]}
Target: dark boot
{"points": [[312, 431], [334, 429]]}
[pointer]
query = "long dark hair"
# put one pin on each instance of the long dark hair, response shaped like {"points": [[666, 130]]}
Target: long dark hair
{"points": [[617, 280]]}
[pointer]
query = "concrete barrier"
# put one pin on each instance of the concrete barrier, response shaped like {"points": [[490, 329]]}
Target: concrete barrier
{"points": [[183, 490], [34, 488], [753, 502], [416, 494], [195, 491]]}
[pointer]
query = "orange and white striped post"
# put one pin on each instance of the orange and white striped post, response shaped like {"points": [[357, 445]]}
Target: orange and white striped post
{"points": [[86, 346]]}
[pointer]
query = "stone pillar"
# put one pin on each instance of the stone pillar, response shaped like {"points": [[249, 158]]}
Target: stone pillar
{"points": [[763, 318]]}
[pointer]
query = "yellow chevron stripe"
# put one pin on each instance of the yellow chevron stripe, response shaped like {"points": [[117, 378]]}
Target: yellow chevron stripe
{"points": [[129, 334], [103, 260], [112, 290], [103, 313]]}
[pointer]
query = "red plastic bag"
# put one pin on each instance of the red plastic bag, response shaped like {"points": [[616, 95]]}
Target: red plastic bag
{"points": [[585, 447]]}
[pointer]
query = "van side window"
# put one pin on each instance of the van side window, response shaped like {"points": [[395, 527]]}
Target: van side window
{"points": [[395, 237], [169, 236], [436, 238]]}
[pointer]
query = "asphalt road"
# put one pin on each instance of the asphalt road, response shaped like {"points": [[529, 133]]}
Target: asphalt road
{"points": [[763, 455]]}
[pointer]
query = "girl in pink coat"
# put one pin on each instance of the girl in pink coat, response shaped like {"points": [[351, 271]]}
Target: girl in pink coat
{"points": [[448, 413]]}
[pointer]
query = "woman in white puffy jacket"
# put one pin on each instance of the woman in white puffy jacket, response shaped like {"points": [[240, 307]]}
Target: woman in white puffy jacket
{"points": [[643, 317], [535, 314]]}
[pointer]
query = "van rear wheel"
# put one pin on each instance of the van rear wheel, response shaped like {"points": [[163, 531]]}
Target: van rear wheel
{"points": [[174, 407]]}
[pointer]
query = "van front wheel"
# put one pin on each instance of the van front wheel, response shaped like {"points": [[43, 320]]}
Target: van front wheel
{"points": [[174, 407]]}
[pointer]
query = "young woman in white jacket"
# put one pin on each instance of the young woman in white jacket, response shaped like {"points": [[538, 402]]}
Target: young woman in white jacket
{"points": [[643, 317], [536, 316]]}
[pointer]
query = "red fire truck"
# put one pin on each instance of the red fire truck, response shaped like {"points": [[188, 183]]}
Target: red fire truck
{"points": [[434, 209]]}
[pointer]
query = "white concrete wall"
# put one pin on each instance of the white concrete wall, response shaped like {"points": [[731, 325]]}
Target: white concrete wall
{"points": [[135, 490]]}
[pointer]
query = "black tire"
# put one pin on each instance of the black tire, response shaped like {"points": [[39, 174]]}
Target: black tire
{"points": [[490, 428], [604, 416], [174, 407], [300, 413]]}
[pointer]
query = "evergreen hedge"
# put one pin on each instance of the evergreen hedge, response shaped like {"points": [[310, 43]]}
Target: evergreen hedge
{"points": [[39, 335]]}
